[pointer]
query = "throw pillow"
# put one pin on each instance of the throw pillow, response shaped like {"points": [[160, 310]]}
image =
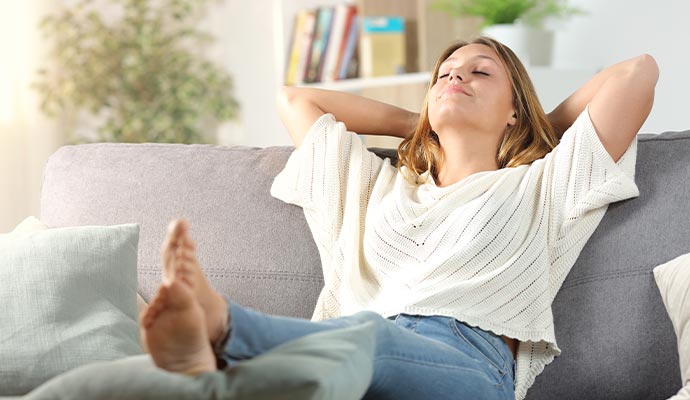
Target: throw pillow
{"points": [[68, 298], [673, 280], [334, 364], [683, 394], [29, 225], [33, 224]]}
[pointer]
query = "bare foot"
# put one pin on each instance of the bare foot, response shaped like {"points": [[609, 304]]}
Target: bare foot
{"points": [[174, 331], [179, 260]]}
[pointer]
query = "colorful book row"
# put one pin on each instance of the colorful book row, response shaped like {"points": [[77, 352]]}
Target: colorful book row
{"points": [[324, 45]]}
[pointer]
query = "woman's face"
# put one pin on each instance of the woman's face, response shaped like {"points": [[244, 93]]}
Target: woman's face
{"points": [[472, 91]]}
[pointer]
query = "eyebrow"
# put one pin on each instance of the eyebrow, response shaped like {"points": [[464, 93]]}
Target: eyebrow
{"points": [[477, 56]]}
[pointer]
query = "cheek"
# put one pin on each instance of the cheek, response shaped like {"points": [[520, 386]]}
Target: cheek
{"points": [[432, 106], [434, 110], [502, 99]]}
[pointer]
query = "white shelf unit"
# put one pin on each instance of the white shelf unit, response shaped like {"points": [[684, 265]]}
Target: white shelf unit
{"points": [[553, 85], [354, 85]]}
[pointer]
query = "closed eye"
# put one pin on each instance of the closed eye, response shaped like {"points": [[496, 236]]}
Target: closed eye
{"points": [[474, 72]]}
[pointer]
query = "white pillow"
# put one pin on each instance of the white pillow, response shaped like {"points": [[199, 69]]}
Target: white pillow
{"points": [[33, 224], [673, 280], [683, 394], [68, 299], [29, 225]]}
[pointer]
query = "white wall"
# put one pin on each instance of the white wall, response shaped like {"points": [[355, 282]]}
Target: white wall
{"points": [[244, 30], [27, 138], [618, 29], [247, 32]]}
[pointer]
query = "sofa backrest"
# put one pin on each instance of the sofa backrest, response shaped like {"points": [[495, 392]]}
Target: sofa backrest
{"points": [[617, 341]]}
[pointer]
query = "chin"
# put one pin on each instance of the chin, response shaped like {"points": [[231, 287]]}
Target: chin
{"points": [[453, 119]]}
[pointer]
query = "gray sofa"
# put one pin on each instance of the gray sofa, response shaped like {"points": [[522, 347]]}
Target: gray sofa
{"points": [[617, 340]]}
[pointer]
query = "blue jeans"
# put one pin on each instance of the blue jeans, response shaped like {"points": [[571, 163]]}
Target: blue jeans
{"points": [[416, 357]]}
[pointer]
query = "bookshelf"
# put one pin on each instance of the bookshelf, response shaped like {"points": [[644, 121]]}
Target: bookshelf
{"points": [[427, 33]]}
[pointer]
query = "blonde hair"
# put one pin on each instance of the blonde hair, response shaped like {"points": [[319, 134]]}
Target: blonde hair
{"points": [[531, 138]]}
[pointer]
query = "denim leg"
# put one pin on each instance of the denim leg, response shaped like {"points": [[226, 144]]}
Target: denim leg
{"points": [[254, 333], [410, 362], [424, 359]]}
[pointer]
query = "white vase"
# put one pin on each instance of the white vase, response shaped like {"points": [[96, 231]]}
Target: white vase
{"points": [[541, 47], [515, 36]]}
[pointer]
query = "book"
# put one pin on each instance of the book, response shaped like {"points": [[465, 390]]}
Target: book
{"points": [[319, 45], [295, 47], [347, 27], [382, 51], [303, 42], [349, 64], [335, 41]]}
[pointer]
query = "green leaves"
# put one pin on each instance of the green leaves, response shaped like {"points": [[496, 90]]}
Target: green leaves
{"points": [[143, 74], [495, 12]]}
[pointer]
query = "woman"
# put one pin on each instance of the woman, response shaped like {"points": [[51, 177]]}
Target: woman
{"points": [[458, 251]]}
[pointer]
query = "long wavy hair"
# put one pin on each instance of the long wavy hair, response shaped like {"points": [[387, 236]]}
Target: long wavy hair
{"points": [[531, 138]]}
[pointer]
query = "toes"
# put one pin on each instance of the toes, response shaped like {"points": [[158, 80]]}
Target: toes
{"points": [[184, 271], [180, 230], [175, 231], [177, 227], [176, 237], [186, 254], [185, 238]]}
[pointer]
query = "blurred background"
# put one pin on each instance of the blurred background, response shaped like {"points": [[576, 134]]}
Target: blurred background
{"points": [[199, 71]]}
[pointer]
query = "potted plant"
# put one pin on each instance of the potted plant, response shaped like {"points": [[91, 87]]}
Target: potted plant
{"points": [[516, 23], [137, 68]]}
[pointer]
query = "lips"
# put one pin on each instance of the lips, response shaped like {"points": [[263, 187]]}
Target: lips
{"points": [[451, 89]]}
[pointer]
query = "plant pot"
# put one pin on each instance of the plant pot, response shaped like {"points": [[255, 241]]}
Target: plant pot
{"points": [[515, 36], [541, 47]]}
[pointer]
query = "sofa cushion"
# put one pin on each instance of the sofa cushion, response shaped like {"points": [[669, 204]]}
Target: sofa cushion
{"points": [[333, 364], [68, 298], [254, 248]]}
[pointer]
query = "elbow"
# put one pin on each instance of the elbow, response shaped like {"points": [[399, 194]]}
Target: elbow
{"points": [[646, 69], [289, 97], [284, 97]]}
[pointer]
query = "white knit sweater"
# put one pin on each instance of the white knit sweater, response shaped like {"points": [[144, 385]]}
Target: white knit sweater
{"points": [[491, 250]]}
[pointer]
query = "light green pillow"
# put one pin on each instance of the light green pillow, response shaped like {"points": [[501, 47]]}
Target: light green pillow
{"points": [[333, 364], [68, 298]]}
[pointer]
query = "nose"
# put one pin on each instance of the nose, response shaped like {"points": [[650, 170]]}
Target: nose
{"points": [[455, 74]]}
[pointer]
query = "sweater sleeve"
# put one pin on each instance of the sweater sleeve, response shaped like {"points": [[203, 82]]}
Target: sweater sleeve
{"points": [[583, 179], [330, 169]]}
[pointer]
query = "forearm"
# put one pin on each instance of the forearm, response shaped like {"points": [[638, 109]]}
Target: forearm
{"points": [[564, 115], [360, 114]]}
